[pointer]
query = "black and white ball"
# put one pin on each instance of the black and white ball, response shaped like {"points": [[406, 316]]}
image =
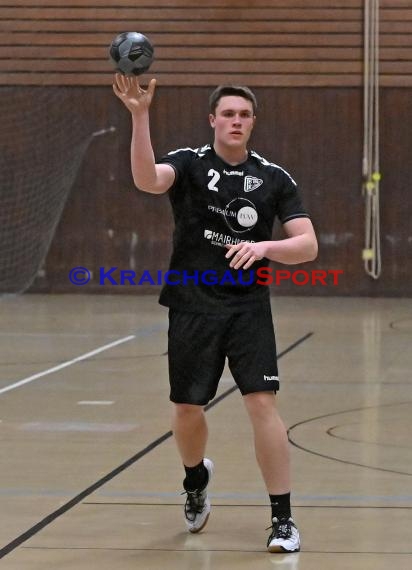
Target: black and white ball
{"points": [[131, 53]]}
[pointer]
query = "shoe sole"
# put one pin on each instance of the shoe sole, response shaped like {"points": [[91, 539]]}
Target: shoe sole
{"points": [[196, 530], [273, 549]]}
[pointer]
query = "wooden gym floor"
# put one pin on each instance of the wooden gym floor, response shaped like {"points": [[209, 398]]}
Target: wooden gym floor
{"points": [[89, 475]]}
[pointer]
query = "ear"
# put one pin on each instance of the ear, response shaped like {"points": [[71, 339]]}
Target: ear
{"points": [[212, 120]]}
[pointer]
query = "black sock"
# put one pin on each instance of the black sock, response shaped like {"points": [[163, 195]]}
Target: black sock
{"points": [[196, 477], [280, 506]]}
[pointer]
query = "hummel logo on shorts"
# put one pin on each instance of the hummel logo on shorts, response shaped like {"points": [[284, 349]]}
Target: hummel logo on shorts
{"points": [[270, 378]]}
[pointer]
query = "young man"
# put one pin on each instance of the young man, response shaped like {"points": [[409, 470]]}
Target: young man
{"points": [[225, 200]]}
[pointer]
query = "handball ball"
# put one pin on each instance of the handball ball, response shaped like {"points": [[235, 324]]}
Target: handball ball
{"points": [[131, 53]]}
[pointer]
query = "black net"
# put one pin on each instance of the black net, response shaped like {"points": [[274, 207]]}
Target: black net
{"points": [[41, 149]]}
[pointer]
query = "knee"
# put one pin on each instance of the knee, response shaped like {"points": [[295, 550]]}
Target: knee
{"points": [[189, 412], [260, 404]]}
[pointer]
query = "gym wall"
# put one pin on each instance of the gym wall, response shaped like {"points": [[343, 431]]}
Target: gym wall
{"points": [[304, 60]]}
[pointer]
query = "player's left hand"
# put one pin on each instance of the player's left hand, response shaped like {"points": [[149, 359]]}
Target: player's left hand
{"points": [[244, 254]]}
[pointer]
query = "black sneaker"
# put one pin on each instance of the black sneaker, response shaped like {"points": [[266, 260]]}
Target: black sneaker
{"points": [[197, 507], [284, 536]]}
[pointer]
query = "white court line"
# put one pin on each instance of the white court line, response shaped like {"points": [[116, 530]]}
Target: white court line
{"points": [[65, 364]]}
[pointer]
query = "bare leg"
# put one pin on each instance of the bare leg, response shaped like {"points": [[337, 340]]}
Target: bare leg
{"points": [[190, 431], [271, 442]]}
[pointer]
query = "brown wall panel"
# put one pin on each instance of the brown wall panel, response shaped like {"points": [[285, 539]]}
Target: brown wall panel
{"points": [[315, 134], [70, 42], [304, 60]]}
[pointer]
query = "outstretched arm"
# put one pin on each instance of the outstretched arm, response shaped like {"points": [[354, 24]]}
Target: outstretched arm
{"points": [[147, 175]]}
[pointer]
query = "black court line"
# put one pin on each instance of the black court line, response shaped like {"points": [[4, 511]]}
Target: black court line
{"points": [[337, 459], [362, 441], [241, 505], [106, 478], [202, 550], [394, 325]]}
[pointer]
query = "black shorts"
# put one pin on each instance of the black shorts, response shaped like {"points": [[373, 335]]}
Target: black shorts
{"points": [[199, 344]]}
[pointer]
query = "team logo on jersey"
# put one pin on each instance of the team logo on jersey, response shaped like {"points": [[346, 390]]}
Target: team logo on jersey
{"points": [[240, 215], [251, 183]]}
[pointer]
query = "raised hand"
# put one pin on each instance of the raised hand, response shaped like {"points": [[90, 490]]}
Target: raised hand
{"points": [[128, 90]]}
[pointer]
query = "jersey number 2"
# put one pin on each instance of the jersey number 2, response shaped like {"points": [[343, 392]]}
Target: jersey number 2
{"points": [[215, 178]]}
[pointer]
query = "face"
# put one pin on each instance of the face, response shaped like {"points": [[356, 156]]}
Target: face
{"points": [[233, 121]]}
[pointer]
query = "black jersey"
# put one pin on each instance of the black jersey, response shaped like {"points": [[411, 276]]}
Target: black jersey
{"points": [[215, 204]]}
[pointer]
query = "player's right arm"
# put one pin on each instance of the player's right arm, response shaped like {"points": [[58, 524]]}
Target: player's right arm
{"points": [[147, 175]]}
